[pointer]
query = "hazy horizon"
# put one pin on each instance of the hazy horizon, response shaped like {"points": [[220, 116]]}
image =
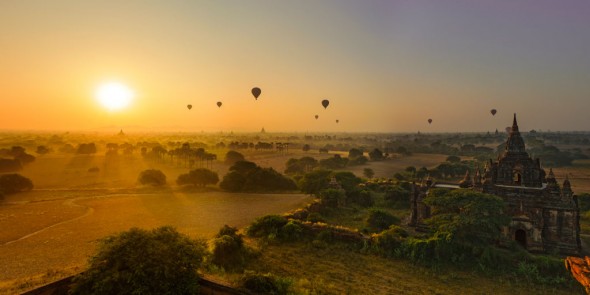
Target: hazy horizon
{"points": [[385, 66]]}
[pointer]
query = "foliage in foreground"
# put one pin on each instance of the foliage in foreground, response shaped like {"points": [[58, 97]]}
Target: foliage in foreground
{"points": [[160, 261], [265, 283], [229, 250]]}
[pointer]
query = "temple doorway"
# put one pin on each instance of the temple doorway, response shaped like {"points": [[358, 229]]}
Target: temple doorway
{"points": [[520, 237]]}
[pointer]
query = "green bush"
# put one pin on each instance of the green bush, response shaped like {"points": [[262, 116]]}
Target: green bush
{"points": [[388, 241], [265, 283], [379, 220], [229, 250], [315, 217], [160, 261], [292, 231], [266, 226]]}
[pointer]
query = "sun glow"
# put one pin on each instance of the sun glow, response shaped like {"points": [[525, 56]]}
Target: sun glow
{"points": [[114, 96]]}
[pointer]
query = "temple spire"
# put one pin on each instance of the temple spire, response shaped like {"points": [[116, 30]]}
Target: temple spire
{"points": [[515, 143], [514, 124]]}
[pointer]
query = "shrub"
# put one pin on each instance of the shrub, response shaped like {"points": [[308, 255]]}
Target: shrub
{"points": [[229, 251], [315, 217], [380, 220], [266, 226], [332, 197], [363, 198], [265, 283], [14, 183], [388, 241], [160, 261], [152, 177], [292, 231]]}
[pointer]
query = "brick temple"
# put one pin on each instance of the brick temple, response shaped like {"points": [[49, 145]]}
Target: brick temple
{"points": [[545, 215]]}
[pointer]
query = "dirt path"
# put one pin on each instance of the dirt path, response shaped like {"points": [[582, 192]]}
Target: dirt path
{"points": [[69, 202]]}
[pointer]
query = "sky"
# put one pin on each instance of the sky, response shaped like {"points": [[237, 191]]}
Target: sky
{"points": [[385, 66]]}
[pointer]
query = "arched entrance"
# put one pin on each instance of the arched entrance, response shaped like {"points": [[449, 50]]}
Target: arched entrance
{"points": [[520, 237]]}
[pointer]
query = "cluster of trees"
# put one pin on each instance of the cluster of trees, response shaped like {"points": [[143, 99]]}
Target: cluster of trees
{"points": [[152, 177], [14, 183], [279, 146], [198, 177], [13, 159], [300, 166], [245, 176], [86, 149]]}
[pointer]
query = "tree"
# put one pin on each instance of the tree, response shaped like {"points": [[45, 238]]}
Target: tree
{"points": [[313, 182], [368, 172], [300, 166], [14, 183], [380, 220], [10, 165], [453, 159], [354, 153], [160, 261], [198, 177], [467, 217], [247, 176], [42, 150], [86, 148], [231, 157], [306, 148], [229, 250], [336, 162], [152, 177], [376, 155], [232, 182], [243, 167], [332, 197]]}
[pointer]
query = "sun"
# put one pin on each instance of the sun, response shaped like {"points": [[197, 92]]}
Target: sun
{"points": [[114, 96]]}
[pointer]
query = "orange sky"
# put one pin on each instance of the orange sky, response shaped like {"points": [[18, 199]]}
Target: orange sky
{"points": [[384, 65]]}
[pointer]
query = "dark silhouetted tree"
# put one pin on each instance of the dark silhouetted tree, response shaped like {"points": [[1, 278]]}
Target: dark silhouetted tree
{"points": [[160, 261], [231, 157], [198, 177], [376, 155], [152, 177], [368, 172], [14, 183]]}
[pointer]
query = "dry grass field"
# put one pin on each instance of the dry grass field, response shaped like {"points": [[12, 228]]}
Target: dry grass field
{"points": [[345, 272], [57, 235], [49, 233]]}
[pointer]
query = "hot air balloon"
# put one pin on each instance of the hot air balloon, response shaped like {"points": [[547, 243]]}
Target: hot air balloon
{"points": [[508, 129], [493, 111], [325, 103], [189, 106], [316, 117], [219, 104], [337, 121], [256, 92], [429, 121]]}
